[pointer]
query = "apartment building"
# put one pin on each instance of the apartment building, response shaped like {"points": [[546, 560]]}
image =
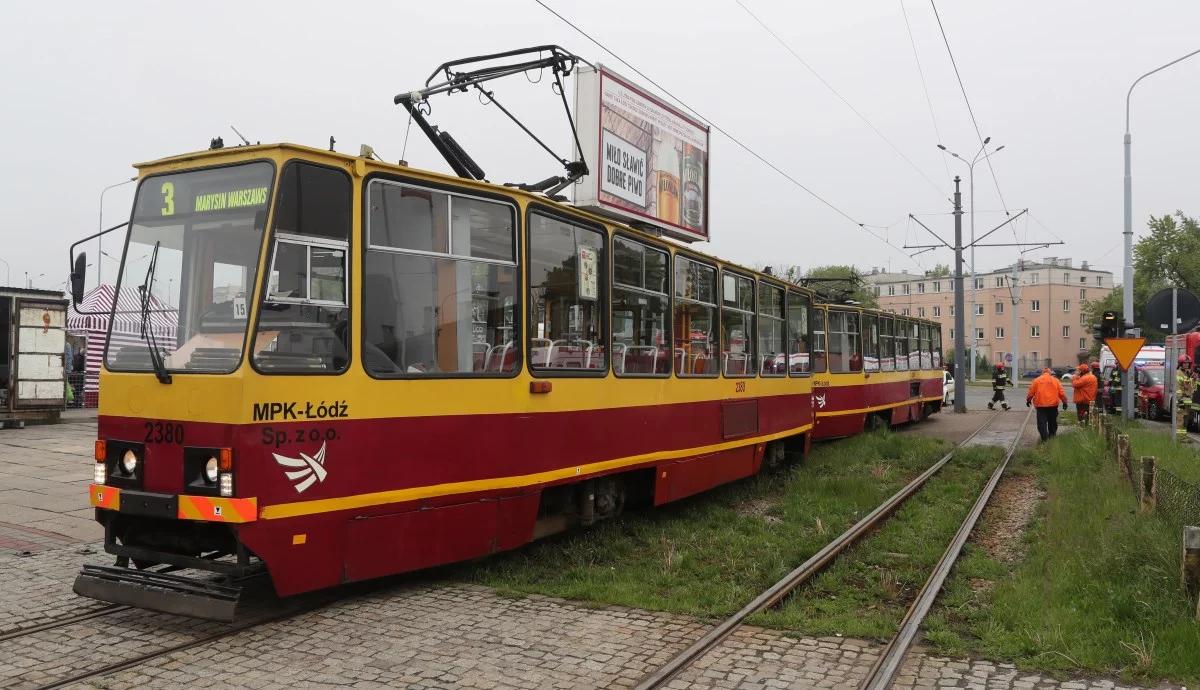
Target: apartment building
{"points": [[1050, 313]]}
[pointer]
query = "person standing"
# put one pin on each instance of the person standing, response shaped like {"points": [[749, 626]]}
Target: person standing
{"points": [[1114, 390], [999, 381], [1045, 393], [1185, 387], [1084, 391]]}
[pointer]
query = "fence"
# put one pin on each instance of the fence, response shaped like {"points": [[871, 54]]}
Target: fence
{"points": [[76, 396], [1162, 492]]}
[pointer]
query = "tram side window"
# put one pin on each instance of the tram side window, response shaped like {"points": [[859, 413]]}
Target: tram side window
{"points": [[798, 309], [937, 346], [695, 326], [566, 296], [302, 324], [737, 325], [818, 341], [439, 285], [772, 358], [926, 348], [845, 353], [900, 340], [887, 348], [914, 346], [870, 338], [640, 341]]}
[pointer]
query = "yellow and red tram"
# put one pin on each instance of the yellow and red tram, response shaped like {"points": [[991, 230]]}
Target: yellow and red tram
{"points": [[373, 369]]}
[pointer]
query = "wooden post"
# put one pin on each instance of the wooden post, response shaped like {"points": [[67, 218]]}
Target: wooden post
{"points": [[1148, 486], [1123, 456], [1190, 568]]}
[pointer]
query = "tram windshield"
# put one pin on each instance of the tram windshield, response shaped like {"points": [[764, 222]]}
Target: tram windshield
{"points": [[189, 268]]}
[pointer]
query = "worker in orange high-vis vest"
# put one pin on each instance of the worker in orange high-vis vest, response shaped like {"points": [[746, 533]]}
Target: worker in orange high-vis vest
{"points": [[1045, 393], [1084, 385]]}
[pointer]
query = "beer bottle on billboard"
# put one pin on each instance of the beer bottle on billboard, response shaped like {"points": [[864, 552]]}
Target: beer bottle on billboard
{"points": [[693, 180], [667, 166]]}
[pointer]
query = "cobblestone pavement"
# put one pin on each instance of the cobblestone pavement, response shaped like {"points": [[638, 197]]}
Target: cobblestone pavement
{"points": [[408, 632], [44, 471]]}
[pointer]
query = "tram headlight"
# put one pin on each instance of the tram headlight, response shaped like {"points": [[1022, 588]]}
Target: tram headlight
{"points": [[129, 462], [100, 475], [211, 470], [226, 483]]}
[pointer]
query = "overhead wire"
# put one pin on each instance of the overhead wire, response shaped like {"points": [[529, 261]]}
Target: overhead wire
{"points": [[924, 84], [762, 159], [970, 110], [842, 98]]}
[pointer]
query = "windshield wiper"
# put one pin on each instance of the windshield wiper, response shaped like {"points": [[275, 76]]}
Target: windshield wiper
{"points": [[160, 367]]}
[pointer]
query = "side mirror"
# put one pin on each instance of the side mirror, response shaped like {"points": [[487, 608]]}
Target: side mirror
{"points": [[78, 273]]}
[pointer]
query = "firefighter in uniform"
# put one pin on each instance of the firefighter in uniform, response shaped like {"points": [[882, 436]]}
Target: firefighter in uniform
{"points": [[1185, 387], [999, 381], [1114, 390]]}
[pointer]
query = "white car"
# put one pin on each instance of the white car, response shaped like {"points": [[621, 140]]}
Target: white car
{"points": [[1066, 378], [947, 389]]}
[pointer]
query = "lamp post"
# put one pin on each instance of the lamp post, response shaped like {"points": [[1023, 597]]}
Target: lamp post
{"points": [[1127, 302], [100, 226], [979, 156]]}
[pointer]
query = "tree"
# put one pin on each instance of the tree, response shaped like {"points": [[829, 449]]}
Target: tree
{"points": [[837, 283], [940, 271], [1169, 254]]}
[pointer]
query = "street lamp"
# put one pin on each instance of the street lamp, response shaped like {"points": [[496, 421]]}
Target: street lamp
{"points": [[100, 225], [979, 156], [1127, 302]]}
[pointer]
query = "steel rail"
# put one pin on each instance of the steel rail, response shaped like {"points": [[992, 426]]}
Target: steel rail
{"points": [[884, 671], [801, 574], [60, 622]]}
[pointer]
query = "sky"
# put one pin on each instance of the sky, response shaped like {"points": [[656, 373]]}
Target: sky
{"points": [[90, 88]]}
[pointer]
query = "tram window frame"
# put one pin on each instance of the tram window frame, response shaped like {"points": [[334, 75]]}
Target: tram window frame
{"points": [[926, 348], [887, 351], [618, 238], [779, 320], [737, 306], [819, 316], [715, 315], [309, 241], [843, 327], [914, 344], [803, 357], [516, 344], [936, 334], [870, 342], [602, 293], [900, 343]]}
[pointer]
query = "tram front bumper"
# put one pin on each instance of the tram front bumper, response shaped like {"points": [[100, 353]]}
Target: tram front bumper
{"points": [[178, 506]]}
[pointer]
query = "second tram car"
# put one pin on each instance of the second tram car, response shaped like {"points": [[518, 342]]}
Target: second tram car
{"points": [[371, 369]]}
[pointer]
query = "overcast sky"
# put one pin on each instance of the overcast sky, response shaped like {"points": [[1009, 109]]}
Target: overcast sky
{"points": [[89, 88]]}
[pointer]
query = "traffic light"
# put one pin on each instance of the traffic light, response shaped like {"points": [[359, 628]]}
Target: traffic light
{"points": [[1111, 325]]}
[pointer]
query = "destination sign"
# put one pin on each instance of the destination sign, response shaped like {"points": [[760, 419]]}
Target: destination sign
{"points": [[233, 188]]}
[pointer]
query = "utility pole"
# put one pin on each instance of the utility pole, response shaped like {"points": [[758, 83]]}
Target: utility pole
{"points": [[1014, 293], [960, 355], [960, 358]]}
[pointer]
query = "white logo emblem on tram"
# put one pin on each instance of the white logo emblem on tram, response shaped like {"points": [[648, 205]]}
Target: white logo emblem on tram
{"points": [[820, 404], [311, 468]]}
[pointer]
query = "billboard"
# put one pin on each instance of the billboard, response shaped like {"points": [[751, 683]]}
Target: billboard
{"points": [[647, 162]]}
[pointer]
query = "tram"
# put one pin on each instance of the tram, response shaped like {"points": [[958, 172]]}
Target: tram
{"points": [[377, 369]]}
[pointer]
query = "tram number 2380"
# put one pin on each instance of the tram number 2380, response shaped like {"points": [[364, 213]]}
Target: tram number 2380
{"points": [[163, 432]]}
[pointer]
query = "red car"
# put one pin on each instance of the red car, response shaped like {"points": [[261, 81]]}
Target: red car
{"points": [[1151, 402]]}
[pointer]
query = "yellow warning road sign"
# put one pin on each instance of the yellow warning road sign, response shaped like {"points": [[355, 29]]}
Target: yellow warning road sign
{"points": [[1125, 350]]}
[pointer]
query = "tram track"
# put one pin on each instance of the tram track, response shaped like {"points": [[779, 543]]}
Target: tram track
{"points": [[661, 676], [61, 621]]}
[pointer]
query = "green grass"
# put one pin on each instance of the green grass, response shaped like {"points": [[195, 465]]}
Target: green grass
{"points": [[1183, 459], [711, 554], [1097, 591]]}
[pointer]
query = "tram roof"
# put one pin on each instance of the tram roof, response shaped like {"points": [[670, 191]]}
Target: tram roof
{"points": [[361, 166]]}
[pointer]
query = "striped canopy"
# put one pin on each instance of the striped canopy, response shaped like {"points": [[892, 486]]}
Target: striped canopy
{"points": [[97, 309]]}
